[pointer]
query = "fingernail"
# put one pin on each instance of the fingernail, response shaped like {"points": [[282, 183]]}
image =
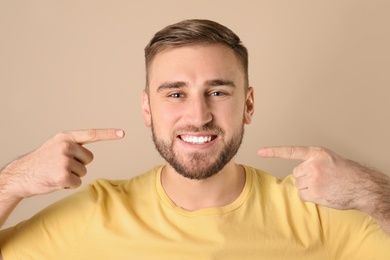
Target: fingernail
{"points": [[119, 133]]}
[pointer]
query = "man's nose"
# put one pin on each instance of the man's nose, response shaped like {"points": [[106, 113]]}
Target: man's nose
{"points": [[198, 112]]}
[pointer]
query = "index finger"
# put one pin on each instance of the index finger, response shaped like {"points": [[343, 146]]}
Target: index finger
{"points": [[286, 152], [96, 135]]}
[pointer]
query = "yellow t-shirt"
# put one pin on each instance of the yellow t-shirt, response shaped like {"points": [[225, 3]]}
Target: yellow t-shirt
{"points": [[135, 219]]}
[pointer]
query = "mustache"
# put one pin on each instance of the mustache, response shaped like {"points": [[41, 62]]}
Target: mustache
{"points": [[210, 127]]}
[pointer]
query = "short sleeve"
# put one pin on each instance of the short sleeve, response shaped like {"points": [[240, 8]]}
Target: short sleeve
{"points": [[51, 233], [350, 234]]}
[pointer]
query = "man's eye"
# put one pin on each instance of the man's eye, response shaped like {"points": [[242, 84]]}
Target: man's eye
{"points": [[217, 93], [176, 95]]}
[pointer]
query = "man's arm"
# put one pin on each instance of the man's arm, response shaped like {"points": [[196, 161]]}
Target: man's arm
{"points": [[57, 164], [327, 179]]}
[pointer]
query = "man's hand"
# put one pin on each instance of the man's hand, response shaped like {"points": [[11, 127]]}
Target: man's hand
{"points": [[57, 164], [328, 179]]}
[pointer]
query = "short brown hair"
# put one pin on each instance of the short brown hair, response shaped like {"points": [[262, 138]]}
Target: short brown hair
{"points": [[195, 31]]}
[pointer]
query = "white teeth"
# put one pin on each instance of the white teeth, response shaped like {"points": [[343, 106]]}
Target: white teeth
{"points": [[197, 139]]}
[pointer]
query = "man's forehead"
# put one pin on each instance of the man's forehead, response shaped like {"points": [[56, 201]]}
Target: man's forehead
{"points": [[212, 61], [199, 47]]}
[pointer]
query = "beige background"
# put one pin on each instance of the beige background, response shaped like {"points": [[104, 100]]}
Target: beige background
{"points": [[320, 71]]}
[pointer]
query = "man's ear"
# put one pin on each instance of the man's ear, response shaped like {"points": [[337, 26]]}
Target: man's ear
{"points": [[146, 109], [249, 106]]}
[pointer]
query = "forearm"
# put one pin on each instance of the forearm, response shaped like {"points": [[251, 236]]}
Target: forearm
{"points": [[381, 208], [8, 201], [6, 206], [377, 199], [385, 224]]}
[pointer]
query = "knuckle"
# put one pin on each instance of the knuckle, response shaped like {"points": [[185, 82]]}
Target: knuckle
{"points": [[64, 162], [60, 179], [315, 168], [88, 156], [68, 180], [63, 135], [83, 171], [270, 152], [295, 171], [65, 147], [92, 133], [315, 178], [320, 148], [290, 152], [323, 152], [75, 182]]}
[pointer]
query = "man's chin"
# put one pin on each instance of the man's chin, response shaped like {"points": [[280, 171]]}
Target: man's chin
{"points": [[197, 176], [197, 170]]}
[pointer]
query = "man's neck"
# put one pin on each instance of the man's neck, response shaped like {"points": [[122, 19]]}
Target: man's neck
{"points": [[217, 191]]}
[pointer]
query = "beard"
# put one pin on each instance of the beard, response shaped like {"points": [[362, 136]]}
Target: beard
{"points": [[200, 165]]}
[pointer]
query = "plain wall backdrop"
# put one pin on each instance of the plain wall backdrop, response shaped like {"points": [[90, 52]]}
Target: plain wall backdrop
{"points": [[320, 69]]}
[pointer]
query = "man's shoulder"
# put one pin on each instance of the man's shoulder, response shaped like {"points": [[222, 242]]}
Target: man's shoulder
{"points": [[275, 191], [103, 185], [267, 179]]}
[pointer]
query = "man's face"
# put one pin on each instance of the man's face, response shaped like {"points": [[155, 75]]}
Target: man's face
{"points": [[197, 107]]}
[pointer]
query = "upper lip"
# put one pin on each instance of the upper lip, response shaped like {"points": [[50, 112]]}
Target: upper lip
{"points": [[197, 134]]}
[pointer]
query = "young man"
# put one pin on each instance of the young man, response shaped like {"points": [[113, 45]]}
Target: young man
{"points": [[200, 204]]}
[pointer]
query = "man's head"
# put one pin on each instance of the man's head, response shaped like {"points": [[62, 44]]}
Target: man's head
{"points": [[197, 98], [192, 32]]}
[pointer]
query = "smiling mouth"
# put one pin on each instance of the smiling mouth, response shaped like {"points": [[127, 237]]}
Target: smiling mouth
{"points": [[197, 139]]}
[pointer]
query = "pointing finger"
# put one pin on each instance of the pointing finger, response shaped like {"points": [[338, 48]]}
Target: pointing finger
{"points": [[286, 152], [96, 135]]}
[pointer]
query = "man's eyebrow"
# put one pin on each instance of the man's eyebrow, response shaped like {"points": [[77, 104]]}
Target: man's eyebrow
{"points": [[220, 82], [180, 84], [171, 85]]}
